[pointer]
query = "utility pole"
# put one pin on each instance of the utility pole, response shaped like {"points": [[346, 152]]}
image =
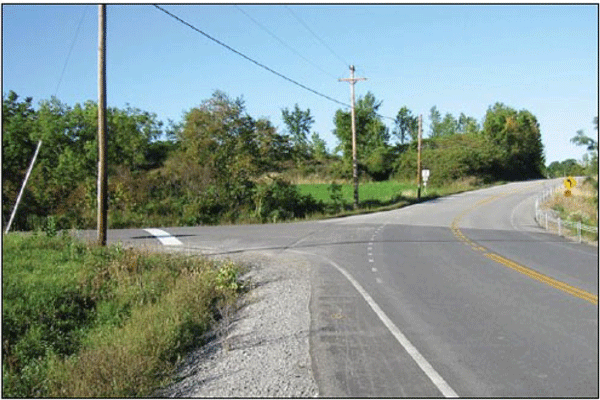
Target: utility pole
{"points": [[102, 171], [352, 81], [419, 158]]}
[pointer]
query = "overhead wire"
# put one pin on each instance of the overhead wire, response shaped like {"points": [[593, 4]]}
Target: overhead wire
{"points": [[250, 59], [316, 36], [258, 63], [70, 50], [282, 42]]}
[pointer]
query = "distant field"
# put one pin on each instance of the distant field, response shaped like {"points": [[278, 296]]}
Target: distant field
{"points": [[383, 192]]}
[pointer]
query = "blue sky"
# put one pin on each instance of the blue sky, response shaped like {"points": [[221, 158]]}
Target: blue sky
{"points": [[460, 58]]}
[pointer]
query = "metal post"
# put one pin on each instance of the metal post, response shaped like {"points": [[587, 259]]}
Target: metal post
{"points": [[102, 170], [546, 220], [579, 230], [14, 211], [559, 226]]}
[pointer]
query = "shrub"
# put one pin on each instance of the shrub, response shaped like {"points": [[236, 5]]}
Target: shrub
{"points": [[337, 198], [279, 200], [379, 164]]}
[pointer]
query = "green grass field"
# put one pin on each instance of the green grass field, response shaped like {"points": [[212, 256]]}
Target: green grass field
{"points": [[377, 192]]}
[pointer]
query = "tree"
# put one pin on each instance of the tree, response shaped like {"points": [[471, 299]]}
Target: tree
{"points": [[451, 158], [18, 119], [298, 124], [222, 150], [371, 132], [318, 147], [592, 147], [565, 168], [436, 120], [467, 124], [65, 171], [582, 140], [448, 126], [517, 135], [273, 148], [406, 125], [220, 137]]}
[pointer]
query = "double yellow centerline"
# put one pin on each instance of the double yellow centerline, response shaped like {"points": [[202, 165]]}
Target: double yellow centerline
{"points": [[572, 290]]}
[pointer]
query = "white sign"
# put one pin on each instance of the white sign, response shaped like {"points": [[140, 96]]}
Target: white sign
{"points": [[425, 175]]}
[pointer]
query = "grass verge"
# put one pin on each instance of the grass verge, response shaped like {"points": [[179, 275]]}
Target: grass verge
{"points": [[581, 206], [84, 321]]}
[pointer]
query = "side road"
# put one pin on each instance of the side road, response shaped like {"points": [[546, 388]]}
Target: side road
{"points": [[263, 349]]}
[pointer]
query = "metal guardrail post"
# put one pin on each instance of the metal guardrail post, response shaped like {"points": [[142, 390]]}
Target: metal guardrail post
{"points": [[579, 230], [559, 226], [546, 220]]}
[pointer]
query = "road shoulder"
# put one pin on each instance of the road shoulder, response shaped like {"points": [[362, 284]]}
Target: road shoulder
{"points": [[263, 350]]}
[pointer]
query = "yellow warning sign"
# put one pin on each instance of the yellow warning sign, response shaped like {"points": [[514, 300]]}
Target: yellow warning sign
{"points": [[567, 193], [570, 182]]}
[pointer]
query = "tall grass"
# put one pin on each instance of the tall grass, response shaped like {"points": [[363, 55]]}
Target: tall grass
{"points": [[84, 321], [581, 206]]}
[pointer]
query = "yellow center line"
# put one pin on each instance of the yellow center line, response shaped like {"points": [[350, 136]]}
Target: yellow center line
{"points": [[572, 290], [543, 278]]}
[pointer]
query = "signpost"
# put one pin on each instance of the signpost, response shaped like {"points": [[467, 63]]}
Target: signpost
{"points": [[425, 176], [570, 183]]}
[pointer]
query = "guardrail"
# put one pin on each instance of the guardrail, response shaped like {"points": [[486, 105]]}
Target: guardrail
{"points": [[550, 219]]}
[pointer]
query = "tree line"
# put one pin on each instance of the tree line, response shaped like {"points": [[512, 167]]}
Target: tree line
{"points": [[219, 164], [507, 147], [571, 167]]}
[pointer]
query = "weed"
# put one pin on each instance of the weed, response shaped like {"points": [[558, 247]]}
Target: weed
{"points": [[88, 321]]}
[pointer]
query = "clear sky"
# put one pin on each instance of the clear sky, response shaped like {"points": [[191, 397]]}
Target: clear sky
{"points": [[460, 58]]}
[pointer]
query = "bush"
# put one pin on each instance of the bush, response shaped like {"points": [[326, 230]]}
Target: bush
{"points": [[337, 198], [379, 164], [279, 200], [453, 158]]}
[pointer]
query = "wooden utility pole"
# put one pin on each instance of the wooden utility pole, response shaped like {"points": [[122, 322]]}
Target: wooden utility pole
{"points": [[102, 170], [419, 158], [352, 81]]}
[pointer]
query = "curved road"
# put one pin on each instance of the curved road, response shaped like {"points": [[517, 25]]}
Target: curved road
{"points": [[460, 296]]}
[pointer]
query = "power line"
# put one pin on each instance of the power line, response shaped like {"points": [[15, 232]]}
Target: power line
{"points": [[317, 37], [283, 43], [70, 50], [258, 63], [250, 59]]}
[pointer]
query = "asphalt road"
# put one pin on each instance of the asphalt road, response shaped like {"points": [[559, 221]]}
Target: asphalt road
{"points": [[459, 296]]}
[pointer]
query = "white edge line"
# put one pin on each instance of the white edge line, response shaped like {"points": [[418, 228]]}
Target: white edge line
{"points": [[165, 237], [431, 373]]}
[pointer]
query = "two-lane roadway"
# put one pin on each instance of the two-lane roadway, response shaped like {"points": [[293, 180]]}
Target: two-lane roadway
{"points": [[459, 296]]}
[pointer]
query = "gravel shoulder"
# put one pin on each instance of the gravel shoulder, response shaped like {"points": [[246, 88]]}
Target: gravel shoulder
{"points": [[262, 349]]}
